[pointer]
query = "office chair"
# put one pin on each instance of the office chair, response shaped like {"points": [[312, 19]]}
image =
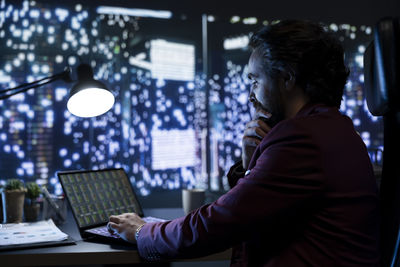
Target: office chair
{"points": [[382, 89]]}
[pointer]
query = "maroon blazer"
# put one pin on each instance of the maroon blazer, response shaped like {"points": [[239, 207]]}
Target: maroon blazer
{"points": [[309, 198]]}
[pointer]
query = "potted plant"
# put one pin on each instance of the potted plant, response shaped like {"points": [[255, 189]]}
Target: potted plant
{"points": [[32, 206], [13, 197]]}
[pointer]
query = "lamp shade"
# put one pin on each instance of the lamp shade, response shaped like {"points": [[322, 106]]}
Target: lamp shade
{"points": [[89, 97]]}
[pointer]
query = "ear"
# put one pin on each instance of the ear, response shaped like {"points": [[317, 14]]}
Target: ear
{"points": [[290, 80], [287, 80]]}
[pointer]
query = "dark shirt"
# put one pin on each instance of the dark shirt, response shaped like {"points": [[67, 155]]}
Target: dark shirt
{"points": [[308, 199]]}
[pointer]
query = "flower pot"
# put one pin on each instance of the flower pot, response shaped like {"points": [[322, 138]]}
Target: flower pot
{"points": [[31, 212], [13, 205]]}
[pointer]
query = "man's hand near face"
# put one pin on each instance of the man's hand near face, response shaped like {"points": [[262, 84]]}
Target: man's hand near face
{"points": [[125, 225], [253, 134]]}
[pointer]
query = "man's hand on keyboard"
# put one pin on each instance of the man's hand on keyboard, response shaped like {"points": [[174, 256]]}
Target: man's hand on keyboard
{"points": [[125, 225]]}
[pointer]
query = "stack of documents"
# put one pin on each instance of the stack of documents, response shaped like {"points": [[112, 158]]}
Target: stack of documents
{"points": [[29, 233]]}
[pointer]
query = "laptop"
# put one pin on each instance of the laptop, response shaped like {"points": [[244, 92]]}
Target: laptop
{"points": [[94, 195]]}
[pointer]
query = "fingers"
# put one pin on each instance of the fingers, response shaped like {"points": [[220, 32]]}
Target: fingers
{"points": [[115, 218], [254, 133], [256, 129], [113, 227], [117, 221], [251, 141], [125, 225], [262, 114], [258, 124]]}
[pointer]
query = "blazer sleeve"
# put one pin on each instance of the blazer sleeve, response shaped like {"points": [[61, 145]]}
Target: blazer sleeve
{"points": [[283, 183]]}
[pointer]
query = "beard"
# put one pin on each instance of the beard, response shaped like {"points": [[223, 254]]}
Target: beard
{"points": [[273, 107]]}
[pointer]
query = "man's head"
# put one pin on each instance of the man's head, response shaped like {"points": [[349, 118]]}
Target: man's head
{"points": [[295, 59]]}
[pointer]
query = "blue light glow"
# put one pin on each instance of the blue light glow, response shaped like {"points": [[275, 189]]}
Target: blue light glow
{"points": [[156, 130]]}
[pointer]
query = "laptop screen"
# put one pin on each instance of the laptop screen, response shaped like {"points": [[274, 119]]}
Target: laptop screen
{"points": [[95, 195]]}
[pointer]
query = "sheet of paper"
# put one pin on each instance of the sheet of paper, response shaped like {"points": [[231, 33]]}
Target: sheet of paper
{"points": [[28, 233]]}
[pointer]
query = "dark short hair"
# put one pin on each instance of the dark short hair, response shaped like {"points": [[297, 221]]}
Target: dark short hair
{"points": [[312, 54]]}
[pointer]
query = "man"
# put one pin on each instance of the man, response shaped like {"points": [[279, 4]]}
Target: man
{"points": [[304, 193]]}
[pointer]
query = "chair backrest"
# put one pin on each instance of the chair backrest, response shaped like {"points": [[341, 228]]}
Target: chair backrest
{"points": [[382, 90]]}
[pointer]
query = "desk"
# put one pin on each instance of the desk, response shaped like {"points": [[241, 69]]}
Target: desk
{"points": [[88, 252]]}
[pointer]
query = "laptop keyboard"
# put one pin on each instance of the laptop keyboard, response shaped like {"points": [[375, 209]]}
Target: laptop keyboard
{"points": [[103, 230]]}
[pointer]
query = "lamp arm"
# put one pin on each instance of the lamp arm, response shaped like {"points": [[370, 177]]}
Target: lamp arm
{"points": [[65, 75]]}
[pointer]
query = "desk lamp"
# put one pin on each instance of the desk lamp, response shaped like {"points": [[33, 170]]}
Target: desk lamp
{"points": [[87, 98]]}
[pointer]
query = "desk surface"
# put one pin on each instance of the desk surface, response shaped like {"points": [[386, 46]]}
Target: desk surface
{"points": [[89, 252]]}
